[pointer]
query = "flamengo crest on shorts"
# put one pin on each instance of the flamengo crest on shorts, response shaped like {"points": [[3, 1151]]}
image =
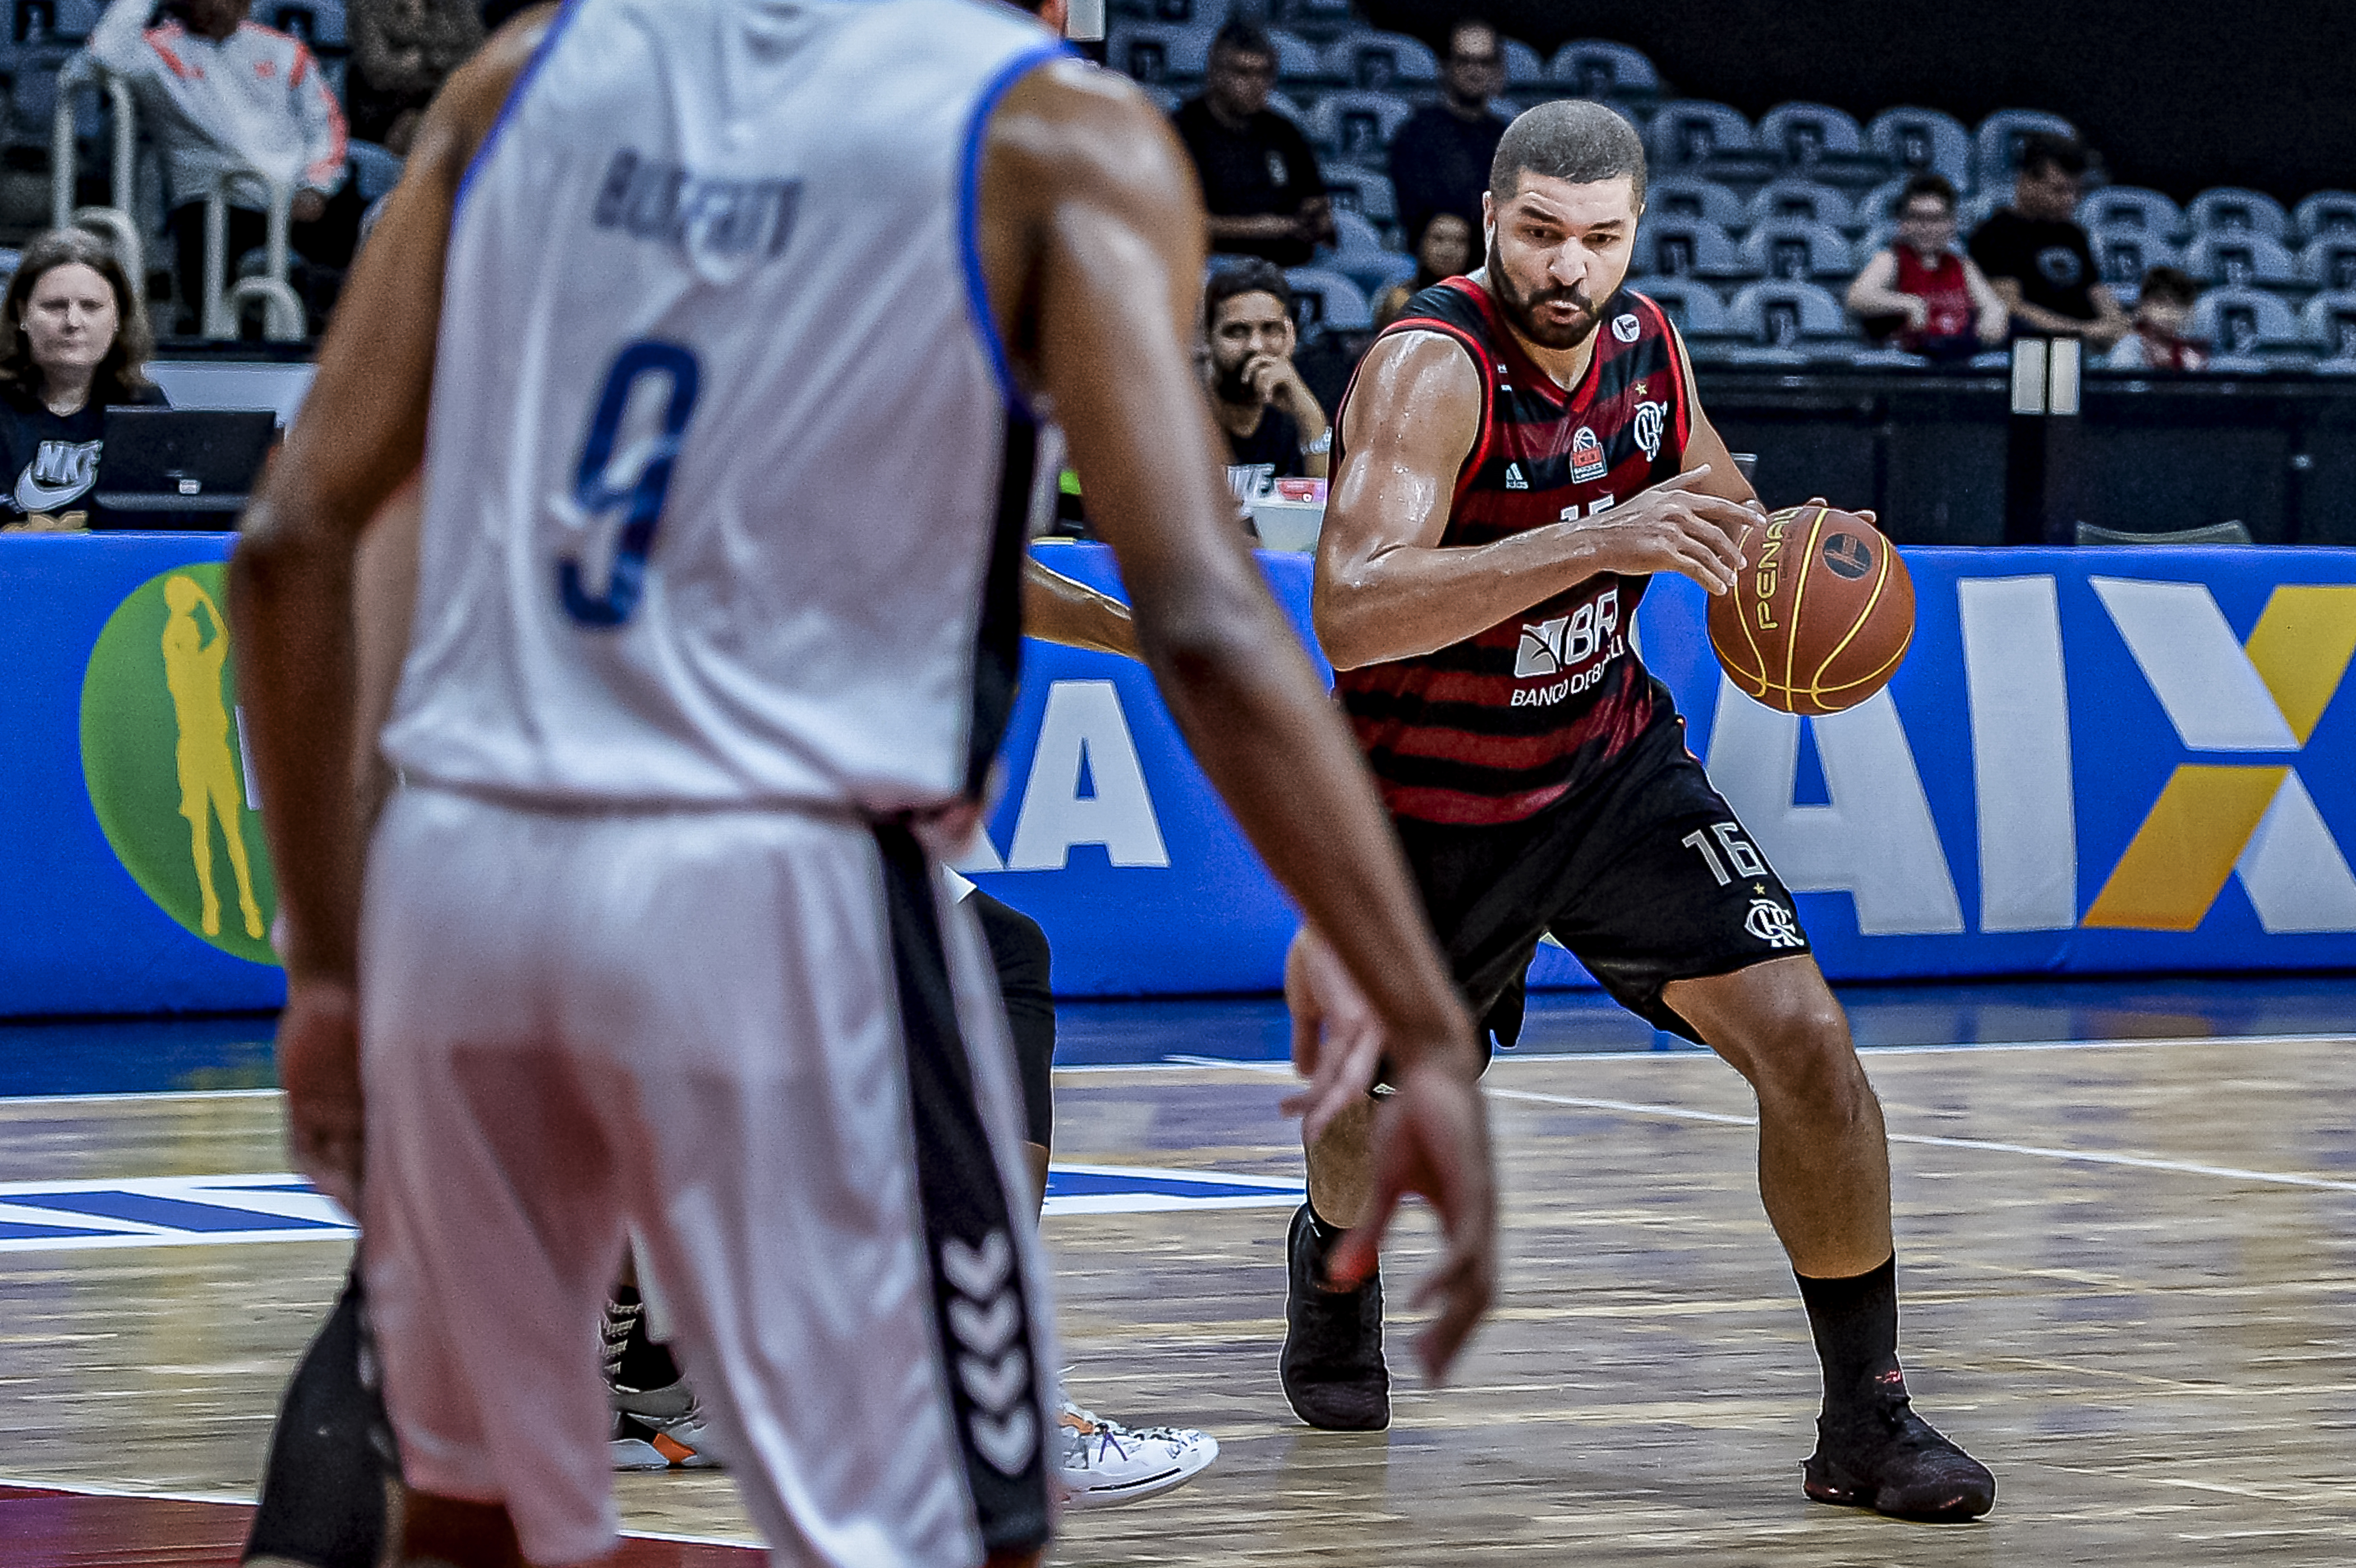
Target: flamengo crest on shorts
{"points": [[1500, 726]]}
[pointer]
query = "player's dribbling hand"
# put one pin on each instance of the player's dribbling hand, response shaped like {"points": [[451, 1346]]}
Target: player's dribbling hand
{"points": [[1337, 1040], [319, 1068], [1672, 527], [1872, 517], [1431, 1137]]}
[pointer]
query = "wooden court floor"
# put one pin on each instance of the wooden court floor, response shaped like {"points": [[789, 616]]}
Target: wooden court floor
{"points": [[2129, 1277]]}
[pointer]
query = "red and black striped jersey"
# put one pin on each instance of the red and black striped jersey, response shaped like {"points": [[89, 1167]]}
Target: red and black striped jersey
{"points": [[1497, 727]]}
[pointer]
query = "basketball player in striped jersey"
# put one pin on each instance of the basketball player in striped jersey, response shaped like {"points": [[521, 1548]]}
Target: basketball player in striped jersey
{"points": [[651, 936], [1517, 454]]}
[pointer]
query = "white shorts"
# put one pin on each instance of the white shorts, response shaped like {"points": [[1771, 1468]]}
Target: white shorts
{"points": [[761, 1039]]}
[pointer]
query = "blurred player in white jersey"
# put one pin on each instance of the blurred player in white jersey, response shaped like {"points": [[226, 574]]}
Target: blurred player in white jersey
{"points": [[664, 719]]}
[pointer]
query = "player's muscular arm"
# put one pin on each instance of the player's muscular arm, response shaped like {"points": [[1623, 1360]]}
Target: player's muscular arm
{"points": [[360, 435], [1057, 609], [1387, 589]]}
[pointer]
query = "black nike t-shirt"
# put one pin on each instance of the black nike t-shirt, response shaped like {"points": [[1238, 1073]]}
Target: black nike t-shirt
{"points": [[50, 460], [2050, 259], [1271, 452]]}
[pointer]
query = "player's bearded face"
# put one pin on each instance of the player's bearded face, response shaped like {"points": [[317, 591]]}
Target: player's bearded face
{"points": [[1526, 303]]}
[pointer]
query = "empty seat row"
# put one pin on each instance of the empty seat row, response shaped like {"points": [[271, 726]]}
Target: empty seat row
{"points": [[1155, 51]]}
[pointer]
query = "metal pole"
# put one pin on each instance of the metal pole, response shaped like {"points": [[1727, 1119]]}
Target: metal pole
{"points": [[218, 322]]}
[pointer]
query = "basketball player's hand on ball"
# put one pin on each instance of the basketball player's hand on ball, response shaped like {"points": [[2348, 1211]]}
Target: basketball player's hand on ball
{"points": [[1430, 1136], [1872, 517], [319, 1068], [1673, 527]]}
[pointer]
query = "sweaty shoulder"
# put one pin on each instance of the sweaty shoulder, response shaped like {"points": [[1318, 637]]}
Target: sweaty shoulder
{"points": [[1416, 387]]}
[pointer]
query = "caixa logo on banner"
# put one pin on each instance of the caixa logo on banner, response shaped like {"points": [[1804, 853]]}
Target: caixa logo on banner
{"points": [[2254, 702]]}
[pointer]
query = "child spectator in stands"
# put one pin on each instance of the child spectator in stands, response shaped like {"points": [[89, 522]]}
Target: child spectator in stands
{"points": [[1260, 182], [78, 341], [1929, 300], [2038, 258], [1440, 159], [1445, 251], [1274, 427], [400, 51], [225, 96], [2163, 309]]}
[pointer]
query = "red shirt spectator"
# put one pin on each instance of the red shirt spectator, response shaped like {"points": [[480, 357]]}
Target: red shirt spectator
{"points": [[1930, 299]]}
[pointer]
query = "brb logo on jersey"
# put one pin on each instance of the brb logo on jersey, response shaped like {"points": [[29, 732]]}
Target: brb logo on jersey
{"points": [[1590, 633], [1652, 421], [162, 754], [1587, 460]]}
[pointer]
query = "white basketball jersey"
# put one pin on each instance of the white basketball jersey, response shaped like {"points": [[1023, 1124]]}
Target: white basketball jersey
{"points": [[725, 483]]}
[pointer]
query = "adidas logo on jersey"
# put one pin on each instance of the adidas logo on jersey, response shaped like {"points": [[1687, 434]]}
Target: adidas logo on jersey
{"points": [[1513, 480]]}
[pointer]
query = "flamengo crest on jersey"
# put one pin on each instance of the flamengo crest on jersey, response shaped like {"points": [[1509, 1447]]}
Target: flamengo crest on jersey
{"points": [[1499, 727], [721, 452]]}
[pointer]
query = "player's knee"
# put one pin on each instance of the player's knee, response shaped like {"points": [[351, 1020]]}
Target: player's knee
{"points": [[1802, 1054]]}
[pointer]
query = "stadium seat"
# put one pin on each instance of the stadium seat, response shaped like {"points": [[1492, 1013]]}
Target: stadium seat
{"points": [[2244, 321], [1380, 62], [1363, 190], [1297, 60], [1975, 208], [1318, 16], [1788, 319], [1687, 134], [1283, 103], [1689, 196], [1923, 141], [1590, 68], [2124, 255], [2241, 258], [1358, 126], [2327, 324], [1526, 70], [2119, 209], [1792, 197], [377, 169], [1358, 254], [1692, 303], [2328, 263], [319, 22], [2331, 212], [1687, 247], [1878, 206], [1793, 248], [1323, 299], [1804, 134], [1159, 55], [1996, 146], [2229, 209], [1180, 13]]}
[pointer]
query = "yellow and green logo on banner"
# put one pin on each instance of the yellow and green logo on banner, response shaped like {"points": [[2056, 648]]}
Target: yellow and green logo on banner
{"points": [[162, 753]]}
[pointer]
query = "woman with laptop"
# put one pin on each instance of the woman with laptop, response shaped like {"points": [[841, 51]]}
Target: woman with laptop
{"points": [[78, 342]]}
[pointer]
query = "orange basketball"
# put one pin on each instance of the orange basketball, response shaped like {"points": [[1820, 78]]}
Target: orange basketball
{"points": [[1821, 617]]}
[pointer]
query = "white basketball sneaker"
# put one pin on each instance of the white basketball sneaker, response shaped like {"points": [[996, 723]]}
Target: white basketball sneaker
{"points": [[660, 1429], [1102, 1463]]}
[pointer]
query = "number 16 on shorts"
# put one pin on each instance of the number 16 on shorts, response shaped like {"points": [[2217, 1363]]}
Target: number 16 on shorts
{"points": [[1737, 850]]}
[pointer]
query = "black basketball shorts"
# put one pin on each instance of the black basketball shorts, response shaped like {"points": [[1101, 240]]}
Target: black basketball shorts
{"points": [[1645, 874]]}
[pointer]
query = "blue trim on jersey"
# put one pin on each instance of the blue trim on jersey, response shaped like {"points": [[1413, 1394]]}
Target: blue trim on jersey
{"points": [[977, 287], [556, 26]]}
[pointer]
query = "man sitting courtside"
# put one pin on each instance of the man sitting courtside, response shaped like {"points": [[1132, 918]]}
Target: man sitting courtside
{"points": [[1274, 427], [1259, 179], [2038, 258]]}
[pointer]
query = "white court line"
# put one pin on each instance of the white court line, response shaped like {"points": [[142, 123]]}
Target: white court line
{"points": [[242, 1499], [2076, 1156], [134, 1096]]}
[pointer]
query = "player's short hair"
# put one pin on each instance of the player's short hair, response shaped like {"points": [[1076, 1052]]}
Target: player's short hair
{"points": [[1931, 184], [1246, 276], [1242, 35], [1571, 139], [2044, 150], [2169, 283]]}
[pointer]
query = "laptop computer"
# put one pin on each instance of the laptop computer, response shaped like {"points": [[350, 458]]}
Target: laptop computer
{"points": [[180, 467]]}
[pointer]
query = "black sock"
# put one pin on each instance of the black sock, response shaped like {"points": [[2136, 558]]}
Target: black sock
{"points": [[637, 1362], [1327, 1234], [1856, 1324]]}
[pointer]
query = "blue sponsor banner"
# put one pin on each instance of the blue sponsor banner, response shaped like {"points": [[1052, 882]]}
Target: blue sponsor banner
{"points": [[2091, 762]]}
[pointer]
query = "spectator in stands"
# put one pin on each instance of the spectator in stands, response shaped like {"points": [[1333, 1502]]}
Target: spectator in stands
{"points": [[1440, 159], [225, 96], [1259, 179], [401, 50], [1929, 300], [78, 341], [1274, 427], [2163, 311], [1445, 251], [2039, 259]]}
